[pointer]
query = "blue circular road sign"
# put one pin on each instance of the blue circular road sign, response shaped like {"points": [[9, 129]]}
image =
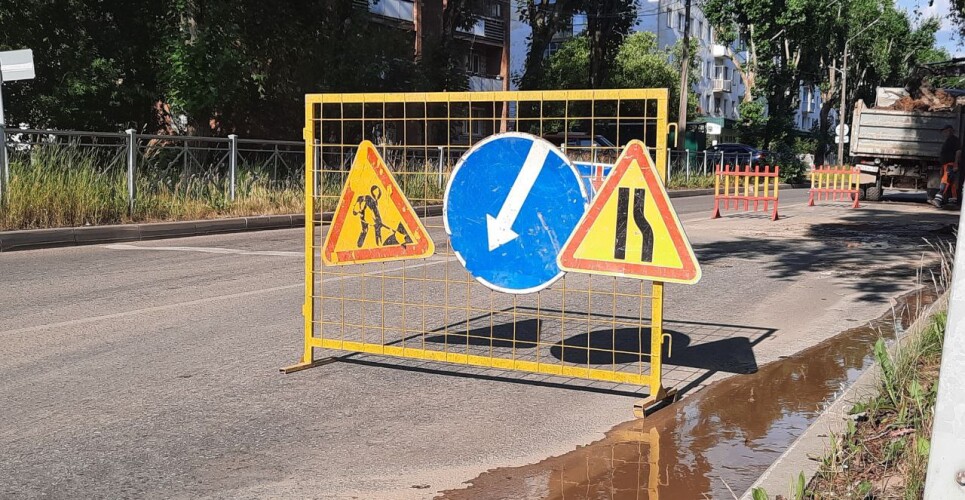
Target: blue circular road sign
{"points": [[511, 203]]}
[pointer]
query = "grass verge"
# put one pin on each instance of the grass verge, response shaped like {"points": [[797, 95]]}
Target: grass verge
{"points": [[883, 453], [57, 186], [67, 187]]}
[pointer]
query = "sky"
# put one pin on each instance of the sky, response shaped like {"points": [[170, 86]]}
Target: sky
{"points": [[948, 36]]}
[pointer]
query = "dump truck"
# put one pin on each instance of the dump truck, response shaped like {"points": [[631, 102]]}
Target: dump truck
{"points": [[898, 149]]}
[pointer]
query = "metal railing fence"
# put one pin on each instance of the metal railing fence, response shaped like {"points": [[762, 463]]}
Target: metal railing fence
{"points": [[199, 167]]}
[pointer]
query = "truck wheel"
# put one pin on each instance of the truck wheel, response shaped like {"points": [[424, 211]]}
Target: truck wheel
{"points": [[862, 193], [873, 193]]}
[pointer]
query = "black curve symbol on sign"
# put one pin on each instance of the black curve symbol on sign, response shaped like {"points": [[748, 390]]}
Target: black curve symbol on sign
{"points": [[623, 214]]}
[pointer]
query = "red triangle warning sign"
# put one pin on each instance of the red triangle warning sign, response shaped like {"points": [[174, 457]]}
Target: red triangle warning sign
{"points": [[631, 229], [374, 221]]}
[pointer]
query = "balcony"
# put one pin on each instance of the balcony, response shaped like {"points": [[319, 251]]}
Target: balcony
{"points": [[486, 29], [395, 9], [719, 51], [721, 85], [478, 29], [485, 83]]}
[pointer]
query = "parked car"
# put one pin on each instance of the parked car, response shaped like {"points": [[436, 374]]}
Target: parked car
{"points": [[581, 146], [737, 154]]}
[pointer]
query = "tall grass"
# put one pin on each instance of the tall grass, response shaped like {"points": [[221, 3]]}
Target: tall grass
{"points": [[63, 186]]}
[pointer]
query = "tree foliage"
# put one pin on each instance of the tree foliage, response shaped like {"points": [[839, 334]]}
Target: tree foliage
{"points": [[608, 22], [637, 63], [779, 45], [222, 66]]}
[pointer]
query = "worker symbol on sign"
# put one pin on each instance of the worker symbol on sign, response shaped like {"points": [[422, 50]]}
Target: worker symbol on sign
{"points": [[370, 205], [631, 229], [367, 210]]}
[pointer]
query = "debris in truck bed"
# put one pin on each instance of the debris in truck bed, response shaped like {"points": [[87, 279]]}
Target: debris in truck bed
{"points": [[929, 100]]}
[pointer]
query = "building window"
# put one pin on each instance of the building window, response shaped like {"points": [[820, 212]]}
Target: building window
{"points": [[700, 29], [710, 34], [717, 106], [476, 66], [670, 19], [681, 24], [497, 10]]}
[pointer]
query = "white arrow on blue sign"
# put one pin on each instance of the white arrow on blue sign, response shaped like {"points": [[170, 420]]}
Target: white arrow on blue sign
{"points": [[511, 203]]}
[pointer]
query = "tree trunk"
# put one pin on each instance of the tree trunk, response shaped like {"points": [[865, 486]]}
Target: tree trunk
{"points": [[820, 153], [545, 18]]}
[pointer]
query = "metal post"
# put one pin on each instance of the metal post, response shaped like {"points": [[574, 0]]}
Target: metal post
{"points": [[441, 149], [317, 160], [844, 90], [131, 165], [946, 462], [687, 174], [233, 160], [4, 166], [705, 162]]}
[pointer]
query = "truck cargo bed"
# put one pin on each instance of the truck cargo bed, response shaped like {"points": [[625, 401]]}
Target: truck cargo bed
{"points": [[908, 135]]}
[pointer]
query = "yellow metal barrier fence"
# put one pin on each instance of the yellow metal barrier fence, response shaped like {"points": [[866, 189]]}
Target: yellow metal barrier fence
{"points": [[583, 326]]}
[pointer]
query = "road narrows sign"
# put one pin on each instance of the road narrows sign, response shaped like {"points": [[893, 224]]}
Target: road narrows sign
{"points": [[374, 221], [631, 229], [511, 202]]}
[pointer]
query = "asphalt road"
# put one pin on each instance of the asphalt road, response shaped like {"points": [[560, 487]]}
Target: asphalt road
{"points": [[151, 369]]}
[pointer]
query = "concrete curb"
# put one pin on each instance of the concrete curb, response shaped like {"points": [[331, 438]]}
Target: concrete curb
{"points": [[30, 239], [816, 439], [92, 235]]}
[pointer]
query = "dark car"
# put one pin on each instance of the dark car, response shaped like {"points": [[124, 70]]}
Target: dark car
{"points": [[737, 154], [581, 146]]}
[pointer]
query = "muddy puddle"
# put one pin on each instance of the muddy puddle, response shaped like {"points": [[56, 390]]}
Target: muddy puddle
{"points": [[714, 444]]}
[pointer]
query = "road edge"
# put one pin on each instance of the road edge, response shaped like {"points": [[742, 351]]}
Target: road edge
{"points": [[32, 239], [804, 454]]}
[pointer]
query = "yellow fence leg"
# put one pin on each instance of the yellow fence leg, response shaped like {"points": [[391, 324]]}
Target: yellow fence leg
{"points": [[658, 392], [308, 308]]}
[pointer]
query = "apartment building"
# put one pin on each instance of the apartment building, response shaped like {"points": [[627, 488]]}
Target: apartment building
{"points": [[488, 39]]}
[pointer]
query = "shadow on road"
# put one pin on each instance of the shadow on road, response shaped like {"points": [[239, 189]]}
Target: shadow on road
{"points": [[631, 345], [869, 248]]}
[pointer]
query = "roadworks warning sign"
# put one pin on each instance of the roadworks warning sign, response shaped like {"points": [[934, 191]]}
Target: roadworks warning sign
{"points": [[374, 221], [631, 229]]}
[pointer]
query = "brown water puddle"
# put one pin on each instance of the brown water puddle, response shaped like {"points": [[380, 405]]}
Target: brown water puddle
{"points": [[712, 445]]}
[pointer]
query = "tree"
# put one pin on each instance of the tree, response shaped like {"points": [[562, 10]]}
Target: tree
{"points": [[94, 62], [607, 23], [244, 66], [783, 44], [637, 63]]}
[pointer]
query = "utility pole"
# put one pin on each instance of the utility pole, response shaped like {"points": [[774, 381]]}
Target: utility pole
{"points": [[841, 108], [684, 80], [844, 89]]}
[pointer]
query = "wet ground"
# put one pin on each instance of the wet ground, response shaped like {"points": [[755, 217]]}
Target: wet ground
{"points": [[714, 444]]}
